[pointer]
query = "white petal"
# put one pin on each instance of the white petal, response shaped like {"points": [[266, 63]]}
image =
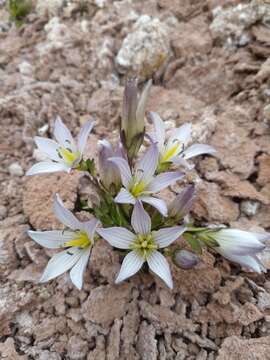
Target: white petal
{"points": [[63, 135], [140, 220], [238, 242], [250, 262], [160, 266], [124, 169], [124, 197], [64, 215], [159, 125], [83, 135], [60, 263], [180, 161], [90, 227], [198, 149], [163, 180], [46, 167], [182, 134], [131, 264], [262, 237], [48, 147], [159, 204], [164, 237], [76, 273], [118, 237], [51, 239], [147, 165]]}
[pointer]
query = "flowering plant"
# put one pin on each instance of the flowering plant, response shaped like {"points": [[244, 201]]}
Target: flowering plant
{"points": [[129, 215]]}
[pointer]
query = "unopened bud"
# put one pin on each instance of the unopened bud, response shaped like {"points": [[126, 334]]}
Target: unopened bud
{"points": [[132, 122]]}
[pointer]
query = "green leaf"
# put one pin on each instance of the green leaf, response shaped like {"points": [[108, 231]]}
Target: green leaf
{"points": [[193, 242]]}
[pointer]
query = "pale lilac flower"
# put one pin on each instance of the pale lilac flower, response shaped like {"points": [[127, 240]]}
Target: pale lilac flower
{"points": [[64, 154], [108, 171], [174, 150], [143, 245], [241, 247], [132, 120], [182, 203], [78, 239], [143, 183]]}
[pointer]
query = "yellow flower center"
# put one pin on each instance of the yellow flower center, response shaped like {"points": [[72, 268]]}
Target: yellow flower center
{"points": [[137, 188], [68, 155], [81, 240], [144, 245], [171, 152]]}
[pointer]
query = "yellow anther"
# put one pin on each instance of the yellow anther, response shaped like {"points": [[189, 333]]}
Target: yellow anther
{"points": [[68, 155], [82, 240]]}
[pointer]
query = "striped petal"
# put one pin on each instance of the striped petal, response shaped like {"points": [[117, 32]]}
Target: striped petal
{"points": [[61, 263], [124, 169], [164, 180], [64, 215], [158, 204], [48, 147], [160, 266], [182, 134], [76, 273], [124, 197], [63, 135], [51, 239], [130, 266], [198, 149], [83, 135], [182, 203], [140, 220], [159, 135], [118, 237], [46, 167], [147, 165], [164, 237]]}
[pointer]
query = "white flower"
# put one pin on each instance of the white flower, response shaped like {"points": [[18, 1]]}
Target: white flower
{"points": [[144, 245], [241, 247], [78, 240], [64, 154], [143, 183], [173, 150]]}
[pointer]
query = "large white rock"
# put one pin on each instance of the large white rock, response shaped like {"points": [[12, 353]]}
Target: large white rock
{"points": [[145, 48]]}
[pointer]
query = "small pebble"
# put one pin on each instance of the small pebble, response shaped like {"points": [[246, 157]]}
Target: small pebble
{"points": [[250, 207], [15, 169]]}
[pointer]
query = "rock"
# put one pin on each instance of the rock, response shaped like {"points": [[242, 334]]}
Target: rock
{"points": [[232, 186], [264, 72], [249, 208], [25, 68], [147, 344], [113, 348], [15, 169], [3, 212], [129, 331], [230, 25], [49, 8], [196, 282], [264, 169], [212, 206], [182, 10], [266, 113], [163, 318], [8, 351], [77, 349], [38, 198], [99, 352], [145, 49], [237, 348], [106, 303]]}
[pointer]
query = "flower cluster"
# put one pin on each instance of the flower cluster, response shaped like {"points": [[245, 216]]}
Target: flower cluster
{"points": [[129, 214]]}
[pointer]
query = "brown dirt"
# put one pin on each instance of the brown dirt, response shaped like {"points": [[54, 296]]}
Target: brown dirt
{"points": [[68, 67]]}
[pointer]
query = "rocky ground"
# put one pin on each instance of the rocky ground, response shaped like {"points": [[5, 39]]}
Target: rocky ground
{"points": [[210, 63]]}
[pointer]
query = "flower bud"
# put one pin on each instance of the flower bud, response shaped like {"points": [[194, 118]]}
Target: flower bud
{"points": [[132, 121], [185, 259], [182, 203], [108, 171]]}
